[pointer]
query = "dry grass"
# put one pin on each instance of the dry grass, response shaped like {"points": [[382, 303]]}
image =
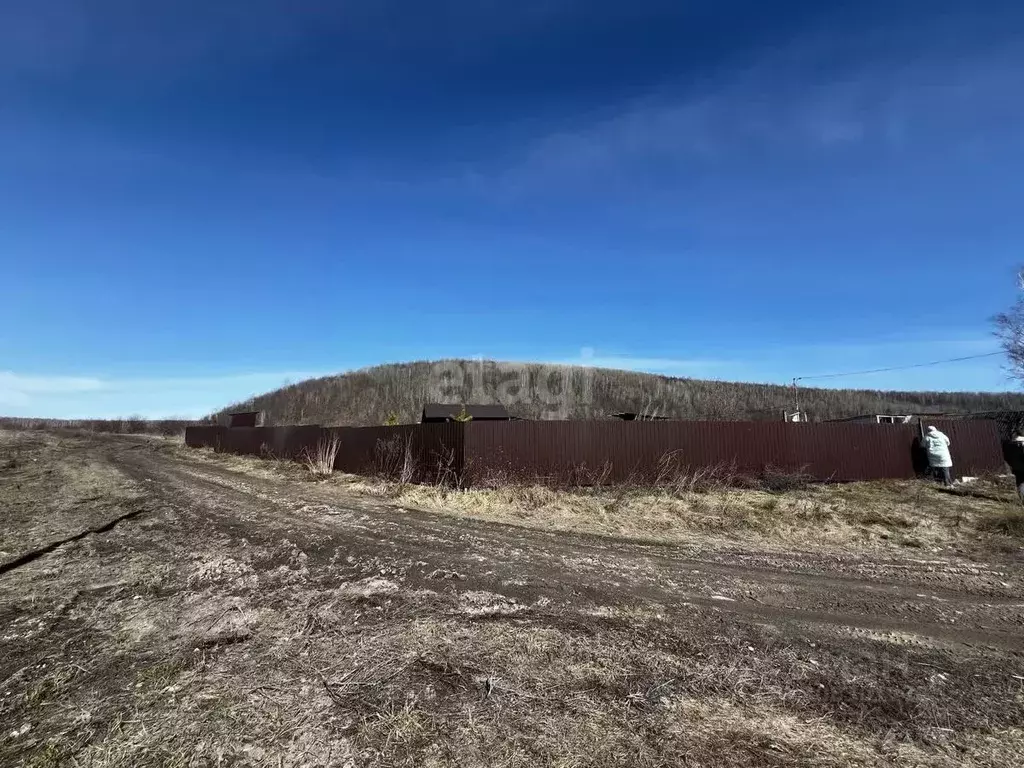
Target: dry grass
{"points": [[782, 508], [1008, 523], [175, 642], [320, 461], [867, 515], [604, 687]]}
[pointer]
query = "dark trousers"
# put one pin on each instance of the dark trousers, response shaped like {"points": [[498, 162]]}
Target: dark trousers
{"points": [[945, 474]]}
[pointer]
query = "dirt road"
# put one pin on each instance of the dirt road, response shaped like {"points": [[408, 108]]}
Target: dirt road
{"points": [[361, 633], [914, 599]]}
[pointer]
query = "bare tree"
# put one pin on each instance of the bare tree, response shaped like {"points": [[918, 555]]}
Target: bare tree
{"points": [[1010, 330], [362, 397]]}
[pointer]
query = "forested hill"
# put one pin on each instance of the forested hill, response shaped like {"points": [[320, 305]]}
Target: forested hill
{"points": [[536, 391]]}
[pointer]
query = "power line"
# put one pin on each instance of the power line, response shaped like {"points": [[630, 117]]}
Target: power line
{"points": [[896, 368]]}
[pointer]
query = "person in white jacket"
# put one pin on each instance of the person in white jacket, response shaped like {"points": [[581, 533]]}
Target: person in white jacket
{"points": [[937, 446]]}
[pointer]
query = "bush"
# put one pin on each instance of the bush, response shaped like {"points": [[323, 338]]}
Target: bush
{"points": [[582, 476], [706, 479], [681, 479], [778, 480], [395, 460], [320, 461]]}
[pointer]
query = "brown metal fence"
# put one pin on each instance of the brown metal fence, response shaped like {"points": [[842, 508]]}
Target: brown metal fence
{"points": [[423, 452], [557, 452], [417, 452], [560, 451]]}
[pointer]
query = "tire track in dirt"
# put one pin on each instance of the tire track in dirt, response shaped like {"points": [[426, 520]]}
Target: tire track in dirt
{"points": [[529, 565], [46, 549], [494, 534], [490, 536]]}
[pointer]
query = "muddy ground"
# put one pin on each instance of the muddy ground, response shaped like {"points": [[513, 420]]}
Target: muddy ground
{"points": [[200, 615]]}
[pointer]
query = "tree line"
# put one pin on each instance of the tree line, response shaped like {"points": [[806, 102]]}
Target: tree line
{"points": [[398, 392]]}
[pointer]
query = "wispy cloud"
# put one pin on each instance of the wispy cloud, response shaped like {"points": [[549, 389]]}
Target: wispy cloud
{"points": [[114, 397], [781, 363], [19, 390], [672, 366], [781, 108]]}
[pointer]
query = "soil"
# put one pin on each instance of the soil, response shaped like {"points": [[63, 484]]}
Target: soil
{"points": [[158, 609]]}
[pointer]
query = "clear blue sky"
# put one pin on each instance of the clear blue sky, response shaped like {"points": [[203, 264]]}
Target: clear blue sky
{"points": [[199, 200]]}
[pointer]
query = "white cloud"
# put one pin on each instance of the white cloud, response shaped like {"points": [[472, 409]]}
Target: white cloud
{"points": [[776, 106], [113, 397], [19, 390], [667, 365], [782, 363]]}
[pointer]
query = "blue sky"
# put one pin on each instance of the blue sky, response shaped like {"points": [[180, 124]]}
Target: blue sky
{"points": [[199, 201]]}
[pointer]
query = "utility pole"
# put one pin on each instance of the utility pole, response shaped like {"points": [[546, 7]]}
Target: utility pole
{"points": [[796, 397]]}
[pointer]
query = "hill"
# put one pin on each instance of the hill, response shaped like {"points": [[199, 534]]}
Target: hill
{"points": [[536, 391]]}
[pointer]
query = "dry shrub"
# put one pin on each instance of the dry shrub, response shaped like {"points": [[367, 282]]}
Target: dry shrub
{"points": [[448, 474], [672, 475], [582, 476], [779, 480], [320, 461], [395, 460], [495, 479], [705, 479], [681, 479]]}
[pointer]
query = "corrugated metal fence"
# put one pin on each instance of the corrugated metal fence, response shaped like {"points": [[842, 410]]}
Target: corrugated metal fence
{"points": [[425, 452], [558, 452], [617, 451]]}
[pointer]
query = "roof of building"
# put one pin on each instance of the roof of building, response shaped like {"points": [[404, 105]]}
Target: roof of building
{"points": [[445, 411], [245, 418]]}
